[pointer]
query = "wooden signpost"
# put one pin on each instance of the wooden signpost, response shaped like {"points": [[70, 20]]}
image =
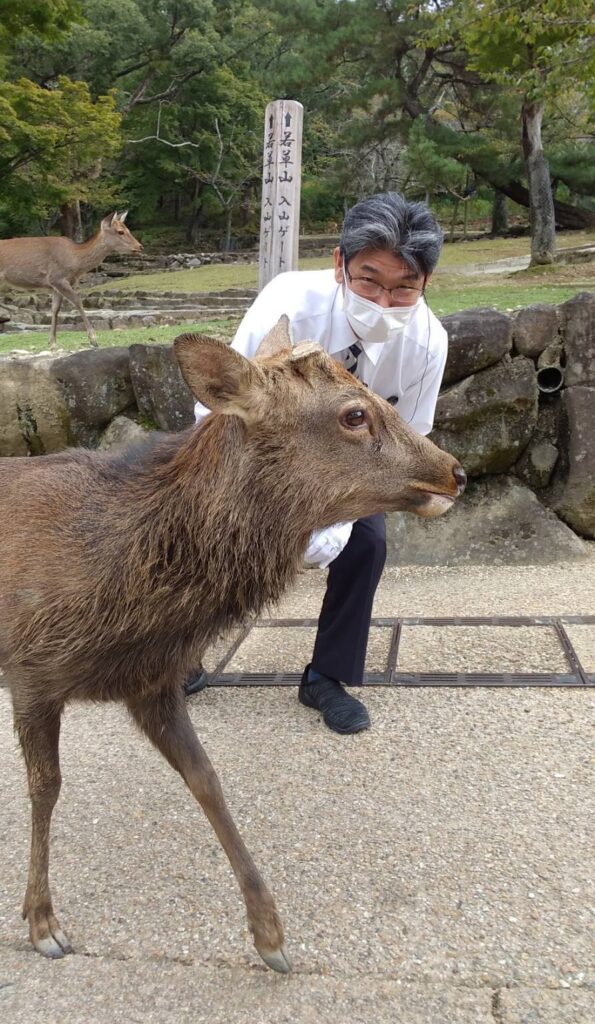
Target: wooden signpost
{"points": [[281, 182]]}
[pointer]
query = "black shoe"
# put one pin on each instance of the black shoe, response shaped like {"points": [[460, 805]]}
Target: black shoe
{"points": [[196, 681], [340, 711]]}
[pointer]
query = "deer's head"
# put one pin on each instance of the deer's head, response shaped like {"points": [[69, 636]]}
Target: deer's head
{"points": [[114, 231], [342, 444]]}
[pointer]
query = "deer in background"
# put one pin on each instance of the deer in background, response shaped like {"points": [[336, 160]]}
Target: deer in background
{"points": [[58, 263], [119, 567]]}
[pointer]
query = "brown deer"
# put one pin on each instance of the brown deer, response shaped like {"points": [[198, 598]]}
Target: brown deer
{"points": [[119, 567], [58, 263]]}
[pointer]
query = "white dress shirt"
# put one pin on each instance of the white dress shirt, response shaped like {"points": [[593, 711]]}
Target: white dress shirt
{"points": [[407, 371]]}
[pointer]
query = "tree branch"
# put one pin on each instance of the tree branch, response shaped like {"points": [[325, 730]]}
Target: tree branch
{"points": [[157, 137], [138, 97]]}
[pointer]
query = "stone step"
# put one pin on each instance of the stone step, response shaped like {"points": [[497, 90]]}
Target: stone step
{"points": [[115, 299], [108, 319], [232, 294], [161, 302]]}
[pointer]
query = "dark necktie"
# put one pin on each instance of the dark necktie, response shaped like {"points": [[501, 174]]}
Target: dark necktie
{"points": [[350, 357]]}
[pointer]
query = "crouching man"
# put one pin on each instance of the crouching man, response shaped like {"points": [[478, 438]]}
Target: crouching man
{"points": [[370, 312]]}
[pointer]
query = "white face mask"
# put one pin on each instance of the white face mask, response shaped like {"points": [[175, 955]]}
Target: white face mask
{"points": [[371, 322]]}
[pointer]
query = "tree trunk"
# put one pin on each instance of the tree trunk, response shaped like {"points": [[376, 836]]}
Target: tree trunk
{"points": [[196, 218], [499, 215], [70, 221], [227, 240], [541, 202], [79, 236], [193, 227], [567, 216], [246, 205], [453, 222], [496, 174]]}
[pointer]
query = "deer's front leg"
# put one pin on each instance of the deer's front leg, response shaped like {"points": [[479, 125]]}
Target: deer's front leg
{"points": [[164, 719], [65, 288], [39, 734], [56, 304]]}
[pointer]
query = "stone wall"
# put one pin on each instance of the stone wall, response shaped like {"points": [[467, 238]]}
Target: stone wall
{"points": [[528, 450], [517, 408]]}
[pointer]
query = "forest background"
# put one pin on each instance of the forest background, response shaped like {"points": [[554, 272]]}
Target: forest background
{"points": [[157, 106]]}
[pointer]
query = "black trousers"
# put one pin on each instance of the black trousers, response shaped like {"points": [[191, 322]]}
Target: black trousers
{"points": [[344, 623]]}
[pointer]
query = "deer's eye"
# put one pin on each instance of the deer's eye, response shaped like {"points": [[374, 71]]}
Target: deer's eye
{"points": [[354, 418]]}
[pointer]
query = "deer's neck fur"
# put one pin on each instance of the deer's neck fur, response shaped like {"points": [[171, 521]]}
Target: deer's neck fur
{"points": [[91, 253], [221, 523], [191, 539]]}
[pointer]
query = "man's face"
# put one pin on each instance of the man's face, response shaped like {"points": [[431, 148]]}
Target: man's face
{"points": [[380, 276]]}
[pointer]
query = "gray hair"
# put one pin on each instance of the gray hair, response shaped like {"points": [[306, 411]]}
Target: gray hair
{"points": [[389, 221]]}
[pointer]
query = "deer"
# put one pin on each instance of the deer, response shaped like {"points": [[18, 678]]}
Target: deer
{"points": [[120, 566], [58, 263]]}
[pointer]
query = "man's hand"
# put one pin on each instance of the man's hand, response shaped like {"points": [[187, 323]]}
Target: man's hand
{"points": [[326, 544]]}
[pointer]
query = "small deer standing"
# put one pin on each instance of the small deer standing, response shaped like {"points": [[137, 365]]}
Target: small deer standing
{"points": [[58, 263], [118, 568]]}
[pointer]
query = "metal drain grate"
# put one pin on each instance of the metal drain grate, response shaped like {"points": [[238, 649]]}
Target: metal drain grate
{"points": [[575, 678], [485, 679]]}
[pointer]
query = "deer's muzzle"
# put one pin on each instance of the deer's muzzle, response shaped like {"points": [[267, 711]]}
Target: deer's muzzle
{"points": [[433, 501]]}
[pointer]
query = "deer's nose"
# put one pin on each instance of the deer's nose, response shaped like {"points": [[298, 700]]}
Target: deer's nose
{"points": [[460, 477]]}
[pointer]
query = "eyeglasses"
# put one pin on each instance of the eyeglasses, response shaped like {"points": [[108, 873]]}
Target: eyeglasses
{"points": [[403, 295]]}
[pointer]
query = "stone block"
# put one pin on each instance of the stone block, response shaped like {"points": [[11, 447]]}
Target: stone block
{"points": [[120, 433], [578, 325], [34, 418], [487, 420], [498, 521], [161, 392], [534, 328], [96, 386], [477, 338], [536, 464], [573, 493]]}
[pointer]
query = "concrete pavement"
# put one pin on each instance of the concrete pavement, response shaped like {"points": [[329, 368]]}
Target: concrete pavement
{"points": [[434, 869]]}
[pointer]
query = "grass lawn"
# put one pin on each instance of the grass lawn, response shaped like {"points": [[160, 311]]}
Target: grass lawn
{"points": [[72, 341], [465, 278], [449, 292], [458, 258]]}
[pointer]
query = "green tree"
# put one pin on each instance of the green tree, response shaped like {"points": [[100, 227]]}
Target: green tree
{"points": [[52, 147], [209, 143], [529, 47], [370, 68], [41, 17], [185, 74]]}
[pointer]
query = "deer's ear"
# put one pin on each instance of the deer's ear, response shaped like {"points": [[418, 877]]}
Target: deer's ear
{"points": [[219, 377], [107, 221], [122, 216], [278, 339]]}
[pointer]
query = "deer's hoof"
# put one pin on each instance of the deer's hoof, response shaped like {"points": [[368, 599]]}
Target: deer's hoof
{"points": [[54, 947], [49, 940], [277, 960]]}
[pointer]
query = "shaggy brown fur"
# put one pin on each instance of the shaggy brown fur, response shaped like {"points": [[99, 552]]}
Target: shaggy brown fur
{"points": [[116, 569]]}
